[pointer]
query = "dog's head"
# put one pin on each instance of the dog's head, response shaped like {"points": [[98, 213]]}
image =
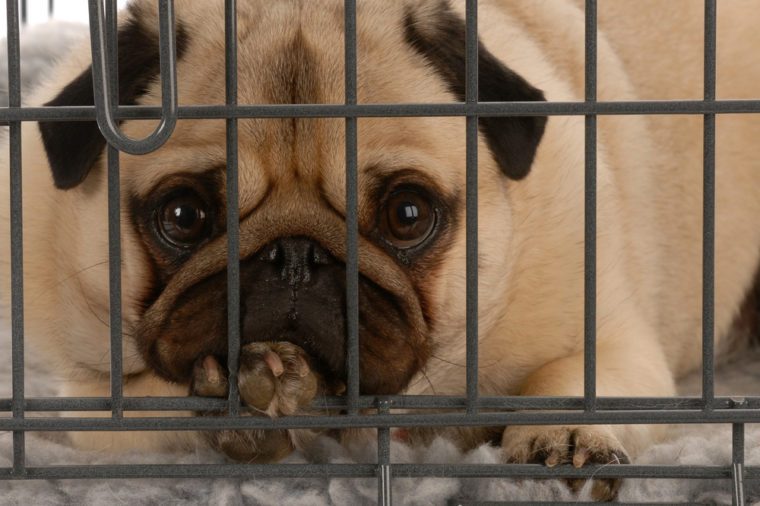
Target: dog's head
{"points": [[292, 186]]}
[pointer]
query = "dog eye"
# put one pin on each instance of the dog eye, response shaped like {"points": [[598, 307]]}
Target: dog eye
{"points": [[183, 220], [408, 219]]}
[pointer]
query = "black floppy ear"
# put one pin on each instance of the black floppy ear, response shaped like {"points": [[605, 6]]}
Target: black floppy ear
{"points": [[74, 147], [442, 41]]}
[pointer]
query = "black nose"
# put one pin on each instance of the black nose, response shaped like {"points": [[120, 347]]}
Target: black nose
{"points": [[296, 259], [293, 290]]}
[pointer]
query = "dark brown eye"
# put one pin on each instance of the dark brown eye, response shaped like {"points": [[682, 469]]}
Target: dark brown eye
{"points": [[408, 219], [183, 220]]}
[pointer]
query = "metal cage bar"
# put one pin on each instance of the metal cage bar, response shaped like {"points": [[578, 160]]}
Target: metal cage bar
{"points": [[589, 296], [114, 223], [480, 419], [708, 209], [737, 461], [352, 206], [263, 471], [102, 87], [384, 478], [482, 109], [233, 208], [526, 403], [17, 239], [471, 204]]}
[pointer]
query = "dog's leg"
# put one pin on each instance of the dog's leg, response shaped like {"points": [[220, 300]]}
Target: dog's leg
{"points": [[633, 365], [274, 379]]}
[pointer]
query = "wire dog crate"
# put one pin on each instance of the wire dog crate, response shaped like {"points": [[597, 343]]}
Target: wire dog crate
{"points": [[470, 410]]}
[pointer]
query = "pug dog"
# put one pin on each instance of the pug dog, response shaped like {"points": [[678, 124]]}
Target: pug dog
{"points": [[411, 216]]}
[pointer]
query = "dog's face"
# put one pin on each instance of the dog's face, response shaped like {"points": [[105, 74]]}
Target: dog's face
{"points": [[292, 188]]}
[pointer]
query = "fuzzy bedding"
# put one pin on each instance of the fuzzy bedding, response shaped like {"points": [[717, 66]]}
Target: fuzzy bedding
{"points": [[696, 445]]}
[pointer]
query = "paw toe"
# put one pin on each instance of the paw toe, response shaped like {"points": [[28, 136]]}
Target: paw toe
{"points": [[276, 378], [209, 378], [578, 446]]}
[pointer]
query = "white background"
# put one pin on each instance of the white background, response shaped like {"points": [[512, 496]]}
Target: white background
{"points": [[37, 10]]}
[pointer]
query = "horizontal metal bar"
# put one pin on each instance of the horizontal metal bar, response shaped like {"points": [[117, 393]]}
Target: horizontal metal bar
{"points": [[370, 470], [44, 404], [393, 420], [485, 109]]}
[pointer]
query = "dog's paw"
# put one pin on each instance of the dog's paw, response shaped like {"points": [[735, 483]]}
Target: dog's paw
{"points": [[579, 445], [274, 379]]}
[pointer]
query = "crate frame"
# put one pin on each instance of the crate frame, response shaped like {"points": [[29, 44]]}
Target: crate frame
{"points": [[471, 409]]}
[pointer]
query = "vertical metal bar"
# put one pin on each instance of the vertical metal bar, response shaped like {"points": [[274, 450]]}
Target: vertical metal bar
{"points": [[471, 98], [737, 443], [589, 346], [17, 238], [386, 495], [384, 479], [233, 210], [708, 216], [51, 8], [737, 461], [352, 218], [114, 279], [24, 14], [114, 222]]}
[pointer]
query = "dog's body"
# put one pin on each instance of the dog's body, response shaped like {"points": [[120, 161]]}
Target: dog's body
{"points": [[531, 225]]}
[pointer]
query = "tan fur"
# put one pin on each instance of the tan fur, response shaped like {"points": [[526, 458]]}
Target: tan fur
{"points": [[531, 232]]}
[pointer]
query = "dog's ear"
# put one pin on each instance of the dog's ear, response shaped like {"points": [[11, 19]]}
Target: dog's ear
{"points": [[74, 147], [439, 35]]}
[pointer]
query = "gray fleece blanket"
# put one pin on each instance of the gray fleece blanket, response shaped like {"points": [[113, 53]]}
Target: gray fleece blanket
{"points": [[695, 445]]}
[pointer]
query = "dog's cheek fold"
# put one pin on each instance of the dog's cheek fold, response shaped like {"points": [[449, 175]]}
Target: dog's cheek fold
{"points": [[73, 147], [513, 141], [393, 348], [195, 326]]}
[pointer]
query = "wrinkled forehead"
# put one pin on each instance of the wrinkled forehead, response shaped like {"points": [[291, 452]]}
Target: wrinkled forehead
{"points": [[293, 53]]}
